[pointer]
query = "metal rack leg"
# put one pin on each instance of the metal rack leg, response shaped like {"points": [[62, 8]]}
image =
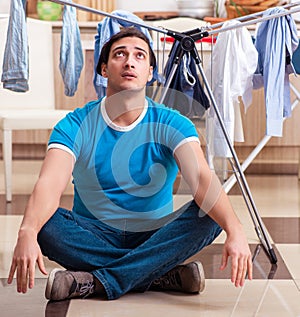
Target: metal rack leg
{"points": [[261, 232], [258, 224]]}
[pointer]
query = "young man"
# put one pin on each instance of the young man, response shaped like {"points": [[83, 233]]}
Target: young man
{"points": [[122, 235]]}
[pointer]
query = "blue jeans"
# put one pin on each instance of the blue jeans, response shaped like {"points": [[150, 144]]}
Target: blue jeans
{"points": [[125, 261]]}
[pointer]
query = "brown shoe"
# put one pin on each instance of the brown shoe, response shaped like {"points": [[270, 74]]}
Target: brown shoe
{"points": [[186, 278], [63, 284]]}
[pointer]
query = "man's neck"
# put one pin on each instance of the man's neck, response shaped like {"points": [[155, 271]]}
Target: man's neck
{"points": [[125, 107]]}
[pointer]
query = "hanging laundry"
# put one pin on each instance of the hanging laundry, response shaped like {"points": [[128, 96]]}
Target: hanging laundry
{"points": [[185, 92], [276, 40], [234, 61], [71, 56], [106, 29], [15, 69], [296, 60]]}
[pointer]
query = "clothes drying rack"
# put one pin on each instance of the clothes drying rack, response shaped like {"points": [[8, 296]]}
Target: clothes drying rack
{"points": [[229, 183], [187, 44]]}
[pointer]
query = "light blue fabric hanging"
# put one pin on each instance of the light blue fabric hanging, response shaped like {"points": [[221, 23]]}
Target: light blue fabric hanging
{"points": [[15, 69], [71, 56], [106, 29], [276, 40]]}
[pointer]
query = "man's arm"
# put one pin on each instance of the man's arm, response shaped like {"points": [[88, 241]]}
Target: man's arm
{"points": [[211, 198], [43, 202]]}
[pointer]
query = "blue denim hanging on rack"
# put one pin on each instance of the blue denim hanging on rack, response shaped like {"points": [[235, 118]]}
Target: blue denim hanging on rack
{"points": [[71, 57], [15, 73]]}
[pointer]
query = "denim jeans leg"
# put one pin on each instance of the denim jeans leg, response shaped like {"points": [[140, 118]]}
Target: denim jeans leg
{"points": [[168, 246], [79, 243]]}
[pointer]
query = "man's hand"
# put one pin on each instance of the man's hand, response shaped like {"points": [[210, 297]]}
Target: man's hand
{"points": [[54, 177], [27, 252], [237, 248]]}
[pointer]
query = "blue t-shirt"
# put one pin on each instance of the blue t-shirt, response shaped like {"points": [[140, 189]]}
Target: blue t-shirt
{"points": [[123, 173]]}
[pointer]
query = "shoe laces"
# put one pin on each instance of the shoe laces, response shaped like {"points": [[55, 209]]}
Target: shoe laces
{"points": [[171, 279], [85, 289]]}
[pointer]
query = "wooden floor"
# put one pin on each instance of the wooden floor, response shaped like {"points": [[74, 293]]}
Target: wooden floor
{"points": [[275, 290]]}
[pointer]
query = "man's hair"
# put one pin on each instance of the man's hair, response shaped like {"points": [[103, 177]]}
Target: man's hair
{"points": [[124, 32]]}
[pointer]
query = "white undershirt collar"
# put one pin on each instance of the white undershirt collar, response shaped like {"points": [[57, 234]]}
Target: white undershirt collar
{"points": [[122, 128]]}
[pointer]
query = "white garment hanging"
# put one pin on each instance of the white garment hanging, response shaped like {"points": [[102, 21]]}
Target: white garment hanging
{"points": [[234, 61]]}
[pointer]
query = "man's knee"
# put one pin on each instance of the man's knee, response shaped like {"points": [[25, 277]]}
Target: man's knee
{"points": [[50, 231]]}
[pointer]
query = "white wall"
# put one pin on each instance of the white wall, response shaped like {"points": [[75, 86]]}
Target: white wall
{"points": [[146, 5], [4, 6]]}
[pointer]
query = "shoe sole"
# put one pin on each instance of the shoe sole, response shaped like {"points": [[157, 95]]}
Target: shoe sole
{"points": [[50, 283], [201, 276]]}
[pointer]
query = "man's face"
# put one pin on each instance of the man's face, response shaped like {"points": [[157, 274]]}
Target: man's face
{"points": [[128, 66]]}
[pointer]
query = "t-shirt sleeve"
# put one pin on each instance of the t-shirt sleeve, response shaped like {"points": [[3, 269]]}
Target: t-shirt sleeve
{"points": [[179, 131], [66, 134]]}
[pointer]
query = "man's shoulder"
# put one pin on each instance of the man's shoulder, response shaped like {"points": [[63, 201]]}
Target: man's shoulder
{"points": [[162, 108], [166, 113], [88, 107]]}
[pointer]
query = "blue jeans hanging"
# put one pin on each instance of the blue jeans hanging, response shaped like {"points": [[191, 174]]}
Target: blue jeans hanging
{"points": [[15, 62]]}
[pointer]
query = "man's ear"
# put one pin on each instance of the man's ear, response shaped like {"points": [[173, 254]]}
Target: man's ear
{"points": [[103, 70], [150, 73]]}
